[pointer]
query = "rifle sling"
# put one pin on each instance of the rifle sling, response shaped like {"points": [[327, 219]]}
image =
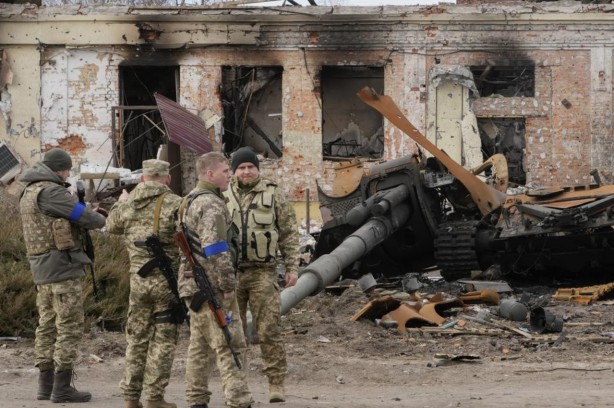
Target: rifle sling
{"points": [[156, 220], [152, 263]]}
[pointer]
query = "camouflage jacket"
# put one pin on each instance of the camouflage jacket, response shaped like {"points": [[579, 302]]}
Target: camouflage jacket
{"points": [[206, 216], [45, 201], [134, 218], [266, 219]]}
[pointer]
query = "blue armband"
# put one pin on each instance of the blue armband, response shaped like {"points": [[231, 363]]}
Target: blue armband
{"points": [[76, 212], [214, 249]]}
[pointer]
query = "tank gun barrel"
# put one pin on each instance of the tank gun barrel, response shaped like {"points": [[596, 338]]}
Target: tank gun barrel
{"points": [[324, 270], [378, 204], [391, 199]]}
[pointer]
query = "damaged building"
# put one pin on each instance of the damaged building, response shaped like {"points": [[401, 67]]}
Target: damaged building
{"points": [[530, 80]]}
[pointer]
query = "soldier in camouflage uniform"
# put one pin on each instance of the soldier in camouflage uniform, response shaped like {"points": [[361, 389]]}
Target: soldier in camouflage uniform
{"points": [[151, 330], [53, 223], [267, 227], [205, 214]]}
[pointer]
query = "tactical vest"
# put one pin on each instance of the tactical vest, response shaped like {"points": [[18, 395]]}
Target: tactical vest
{"points": [[257, 224], [41, 232]]}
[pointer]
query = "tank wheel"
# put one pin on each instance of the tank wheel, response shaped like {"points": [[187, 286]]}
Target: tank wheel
{"points": [[455, 249]]}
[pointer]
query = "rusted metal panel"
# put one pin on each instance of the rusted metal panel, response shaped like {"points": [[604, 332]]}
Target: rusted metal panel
{"points": [[183, 127]]}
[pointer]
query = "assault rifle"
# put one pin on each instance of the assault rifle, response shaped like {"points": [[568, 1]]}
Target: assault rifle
{"points": [[205, 292], [88, 245], [179, 311]]}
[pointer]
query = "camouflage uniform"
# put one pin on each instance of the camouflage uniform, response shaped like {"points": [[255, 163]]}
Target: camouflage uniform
{"points": [[151, 339], [206, 215], [267, 226], [53, 221]]}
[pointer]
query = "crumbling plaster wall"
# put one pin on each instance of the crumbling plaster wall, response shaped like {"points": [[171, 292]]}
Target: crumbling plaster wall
{"points": [[20, 127], [558, 138], [78, 89], [568, 122]]}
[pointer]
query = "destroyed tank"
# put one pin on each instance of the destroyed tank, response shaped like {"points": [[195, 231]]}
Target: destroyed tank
{"points": [[411, 212]]}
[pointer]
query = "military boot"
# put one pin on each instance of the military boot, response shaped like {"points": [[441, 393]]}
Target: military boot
{"points": [[64, 392], [276, 393], [133, 404], [199, 406], [45, 384], [159, 404]]}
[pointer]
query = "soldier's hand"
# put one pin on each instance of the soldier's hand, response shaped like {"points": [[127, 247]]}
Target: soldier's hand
{"points": [[291, 278], [229, 295], [124, 195]]}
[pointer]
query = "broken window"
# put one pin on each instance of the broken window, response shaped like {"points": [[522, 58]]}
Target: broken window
{"points": [[350, 128], [251, 98], [517, 80], [505, 136], [140, 131]]}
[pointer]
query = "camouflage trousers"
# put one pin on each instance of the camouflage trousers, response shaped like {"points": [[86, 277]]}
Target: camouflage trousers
{"points": [[258, 289], [207, 344], [60, 324], [151, 346]]}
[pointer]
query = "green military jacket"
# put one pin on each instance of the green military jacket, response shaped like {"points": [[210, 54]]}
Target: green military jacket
{"points": [[53, 222]]}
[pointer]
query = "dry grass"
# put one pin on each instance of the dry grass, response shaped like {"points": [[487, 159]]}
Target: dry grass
{"points": [[17, 288]]}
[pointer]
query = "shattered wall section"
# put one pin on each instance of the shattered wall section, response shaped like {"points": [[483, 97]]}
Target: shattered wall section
{"points": [[79, 87], [199, 92], [19, 101], [557, 149], [452, 124], [404, 81]]}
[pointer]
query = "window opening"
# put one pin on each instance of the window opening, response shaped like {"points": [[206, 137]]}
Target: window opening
{"points": [[349, 127], [508, 81], [251, 99], [506, 136], [137, 124]]}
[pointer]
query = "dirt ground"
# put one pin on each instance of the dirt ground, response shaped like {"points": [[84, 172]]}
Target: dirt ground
{"points": [[336, 362]]}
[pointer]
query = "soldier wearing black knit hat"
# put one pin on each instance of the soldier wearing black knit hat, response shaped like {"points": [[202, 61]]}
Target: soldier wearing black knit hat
{"points": [[267, 229]]}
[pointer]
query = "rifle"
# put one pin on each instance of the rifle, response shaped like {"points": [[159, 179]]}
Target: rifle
{"points": [[205, 292], [88, 245], [179, 312]]}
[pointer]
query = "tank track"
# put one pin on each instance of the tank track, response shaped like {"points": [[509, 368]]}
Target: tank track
{"points": [[455, 249]]}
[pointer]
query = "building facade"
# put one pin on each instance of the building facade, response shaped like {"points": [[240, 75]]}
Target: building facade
{"points": [[530, 80]]}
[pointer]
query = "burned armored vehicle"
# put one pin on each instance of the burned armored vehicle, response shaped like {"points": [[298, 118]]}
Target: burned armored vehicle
{"points": [[410, 212], [557, 230]]}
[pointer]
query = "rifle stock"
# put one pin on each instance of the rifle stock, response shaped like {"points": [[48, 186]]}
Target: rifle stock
{"points": [[206, 292]]}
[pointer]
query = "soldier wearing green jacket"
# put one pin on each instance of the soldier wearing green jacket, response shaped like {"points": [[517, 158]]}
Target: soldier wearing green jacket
{"points": [[267, 235], [151, 330], [53, 223], [204, 213]]}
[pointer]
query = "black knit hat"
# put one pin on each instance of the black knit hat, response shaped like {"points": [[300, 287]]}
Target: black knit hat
{"points": [[244, 155], [57, 160]]}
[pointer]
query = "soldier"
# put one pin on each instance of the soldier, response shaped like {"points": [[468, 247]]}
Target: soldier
{"points": [[267, 226], [151, 330], [205, 214], [53, 222]]}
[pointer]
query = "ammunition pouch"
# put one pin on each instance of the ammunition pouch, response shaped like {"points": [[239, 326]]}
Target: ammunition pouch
{"points": [[62, 234], [197, 301], [147, 268], [174, 314]]}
